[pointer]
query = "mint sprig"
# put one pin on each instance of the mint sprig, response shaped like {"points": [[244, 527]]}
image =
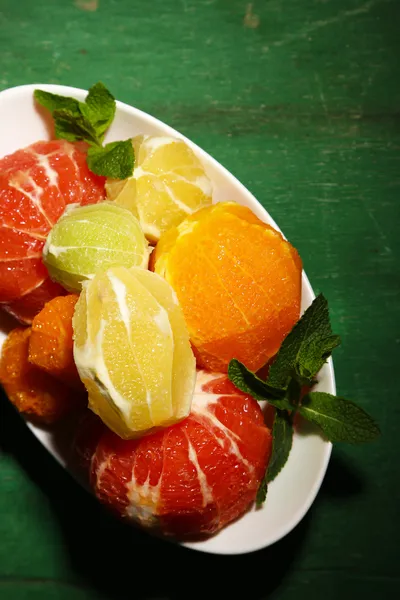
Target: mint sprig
{"points": [[301, 355], [88, 121], [99, 109]]}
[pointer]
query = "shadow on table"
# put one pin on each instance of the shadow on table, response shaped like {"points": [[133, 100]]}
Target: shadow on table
{"points": [[122, 562]]}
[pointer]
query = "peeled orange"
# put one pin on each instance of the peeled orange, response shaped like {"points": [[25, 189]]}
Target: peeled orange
{"points": [[237, 280], [32, 391]]}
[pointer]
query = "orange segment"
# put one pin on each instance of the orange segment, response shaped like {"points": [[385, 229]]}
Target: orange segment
{"points": [[32, 391], [51, 343], [238, 283]]}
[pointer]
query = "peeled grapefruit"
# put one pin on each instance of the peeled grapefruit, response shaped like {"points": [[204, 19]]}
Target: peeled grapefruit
{"points": [[36, 184], [189, 479]]}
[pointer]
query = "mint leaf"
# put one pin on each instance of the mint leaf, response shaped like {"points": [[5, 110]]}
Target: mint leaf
{"points": [[282, 433], [305, 349], [282, 440], [340, 420], [115, 160], [55, 102], [95, 114], [88, 121], [99, 109], [249, 383], [73, 128]]}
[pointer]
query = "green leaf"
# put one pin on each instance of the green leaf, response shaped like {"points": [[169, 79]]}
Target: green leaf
{"points": [[68, 126], [340, 420], [115, 160], [99, 109], [75, 120], [249, 383], [55, 102], [88, 121], [282, 440], [305, 349]]}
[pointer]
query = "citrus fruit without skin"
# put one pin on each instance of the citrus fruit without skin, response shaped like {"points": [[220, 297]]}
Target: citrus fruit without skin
{"points": [[189, 479], [238, 282], [168, 183], [51, 343], [132, 351], [32, 391], [36, 184], [87, 239]]}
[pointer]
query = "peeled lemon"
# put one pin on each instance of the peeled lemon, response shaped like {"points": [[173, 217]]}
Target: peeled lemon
{"points": [[132, 351], [168, 183], [87, 239]]}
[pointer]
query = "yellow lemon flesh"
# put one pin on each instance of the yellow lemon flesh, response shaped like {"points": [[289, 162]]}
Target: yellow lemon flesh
{"points": [[168, 183], [132, 351]]}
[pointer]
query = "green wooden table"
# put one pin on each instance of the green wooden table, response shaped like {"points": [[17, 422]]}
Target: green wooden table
{"points": [[300, 99]]}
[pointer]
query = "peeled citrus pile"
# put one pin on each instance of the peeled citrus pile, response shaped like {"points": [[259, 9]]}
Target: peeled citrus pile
{"points": [[220, 284]]}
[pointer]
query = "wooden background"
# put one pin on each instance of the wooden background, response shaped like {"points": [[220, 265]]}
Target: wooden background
{"points": [[300, 100]]}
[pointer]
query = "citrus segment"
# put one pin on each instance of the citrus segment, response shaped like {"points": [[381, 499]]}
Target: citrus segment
{"points": [[192, 478], [32, 391], [168, 183], [51, 344], [128, 335], [36, 184], [238, 282], [182, 362], [87, 239]]}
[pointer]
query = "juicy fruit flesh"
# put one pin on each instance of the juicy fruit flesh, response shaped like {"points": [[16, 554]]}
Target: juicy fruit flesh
{"points": [[32, 391], [51, 343], [128, 342], [183, 361], [238, 282], [168, 183], [88, 239], [194, 477], [36, 184]]}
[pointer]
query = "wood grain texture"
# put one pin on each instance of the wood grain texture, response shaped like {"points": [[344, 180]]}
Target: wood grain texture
{"points": [[300, 99]]}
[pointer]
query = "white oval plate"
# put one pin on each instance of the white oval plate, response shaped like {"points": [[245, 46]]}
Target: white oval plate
{"points": [[293, 491]]}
